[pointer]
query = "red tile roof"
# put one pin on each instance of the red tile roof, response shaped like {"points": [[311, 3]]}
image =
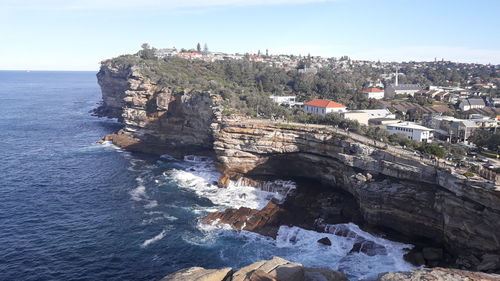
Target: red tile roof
{"points": [[324, 103], [372, 90]]}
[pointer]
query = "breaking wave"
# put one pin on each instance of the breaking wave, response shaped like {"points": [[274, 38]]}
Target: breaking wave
{"points": [[355, 252]]}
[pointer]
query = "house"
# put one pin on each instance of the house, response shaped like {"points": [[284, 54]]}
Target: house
{"points": [[283, 99], [460, 131], [356, 115], [379, 113], [308, 70], [412, 131], [322, 107], [374, 93], [404, 89], [468, 104]]}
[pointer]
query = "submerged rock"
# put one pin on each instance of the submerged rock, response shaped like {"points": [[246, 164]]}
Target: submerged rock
{"points": [[325, 241], [265, 221]]}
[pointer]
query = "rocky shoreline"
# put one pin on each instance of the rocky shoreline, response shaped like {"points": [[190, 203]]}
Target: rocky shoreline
{"points": [[278, 269], [452, 220]]}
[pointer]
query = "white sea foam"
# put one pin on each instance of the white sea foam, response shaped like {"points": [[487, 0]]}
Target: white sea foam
{"points": [[156, 238], [138, 193], [201, 177], [371, 255]]}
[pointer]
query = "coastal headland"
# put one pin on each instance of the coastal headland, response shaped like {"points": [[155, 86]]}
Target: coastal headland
{"points": [[450, 218]]}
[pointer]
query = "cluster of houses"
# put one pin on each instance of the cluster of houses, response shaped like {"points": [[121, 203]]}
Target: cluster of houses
{"points": [[434, 124], [286, 62]]}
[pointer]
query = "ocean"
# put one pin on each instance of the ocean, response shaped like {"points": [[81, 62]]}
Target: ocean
{"points": [[72, 209]]}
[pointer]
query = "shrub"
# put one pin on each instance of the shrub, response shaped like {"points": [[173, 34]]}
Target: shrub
{"points": [[469, 174]]}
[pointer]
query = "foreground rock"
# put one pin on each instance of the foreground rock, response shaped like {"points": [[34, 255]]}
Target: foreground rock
{"points": [[265, 221], [276, 269], [438, 274], [200, 274]]}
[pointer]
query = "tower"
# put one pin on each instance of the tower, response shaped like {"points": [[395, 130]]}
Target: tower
{"points": [[397, 75]]}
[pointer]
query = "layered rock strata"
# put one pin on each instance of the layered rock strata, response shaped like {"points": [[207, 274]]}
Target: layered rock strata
{"points": [[420, 201], [157, 119], [278, 269], [275, 269]]}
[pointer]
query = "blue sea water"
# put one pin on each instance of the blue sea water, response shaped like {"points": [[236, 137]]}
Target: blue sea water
{"points": [[72, 209]]}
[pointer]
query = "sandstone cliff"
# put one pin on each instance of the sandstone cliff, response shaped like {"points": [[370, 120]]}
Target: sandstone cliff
{"points": [[157, 118], [418, 200], [415, 199]]}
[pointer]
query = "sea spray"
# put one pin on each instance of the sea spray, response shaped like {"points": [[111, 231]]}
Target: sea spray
{"points": [[355, 252]]}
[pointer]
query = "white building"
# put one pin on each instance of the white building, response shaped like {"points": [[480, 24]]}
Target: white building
{"points": [[468, 104], [379, 113], [374, 93], [323, 107], [283, 99], [404, 89], [412, 131]]}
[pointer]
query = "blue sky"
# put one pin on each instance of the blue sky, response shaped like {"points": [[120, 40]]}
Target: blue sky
{"points": [[78, 34]]}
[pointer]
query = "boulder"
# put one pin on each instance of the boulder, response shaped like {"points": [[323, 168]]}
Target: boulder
{"points": [[325, 241], [260, 275], [263, 221], [278, 269], [321, 274], [367, 247]]}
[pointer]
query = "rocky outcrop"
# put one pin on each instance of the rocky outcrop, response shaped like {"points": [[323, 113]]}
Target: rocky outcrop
{"points": [[200, 274], [441, 274], [421, 201], [276, 269], [157, 118]]}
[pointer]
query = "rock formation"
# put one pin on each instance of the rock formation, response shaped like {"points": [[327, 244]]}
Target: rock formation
{"points": [[276, 269], [157, 119], [417, 200], [394, 192]]}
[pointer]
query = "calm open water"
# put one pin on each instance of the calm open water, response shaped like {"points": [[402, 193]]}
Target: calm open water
{"points": [[71, 209]]}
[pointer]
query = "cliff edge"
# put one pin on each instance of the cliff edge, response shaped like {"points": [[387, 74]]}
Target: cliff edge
{"points": [[423, 202]]}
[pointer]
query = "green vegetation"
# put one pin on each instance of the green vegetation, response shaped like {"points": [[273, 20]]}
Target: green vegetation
{"points": [[469, 174], [483, 138]]}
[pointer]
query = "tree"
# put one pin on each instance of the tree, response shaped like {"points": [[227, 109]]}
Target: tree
{"points": [[198, 47], [205, 48], [147, 52]]}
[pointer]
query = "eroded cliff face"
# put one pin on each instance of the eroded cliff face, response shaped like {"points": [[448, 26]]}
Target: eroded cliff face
{"points": [[418, 200], [156, 119]]}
